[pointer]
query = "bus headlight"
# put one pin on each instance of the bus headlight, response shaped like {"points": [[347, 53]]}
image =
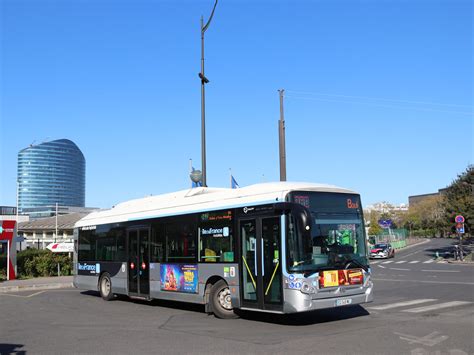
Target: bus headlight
{"points": [[307, 288]]}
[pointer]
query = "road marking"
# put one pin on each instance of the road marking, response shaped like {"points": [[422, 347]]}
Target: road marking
{"points": [[402, 304], [388, 262], [413, 262], [399, 269], [441, 270], [436, 306], [428, 261], [425, 281], [400, 262], [375, 262], [416, 252], [383, 267], [428, 340], [20, 296]]}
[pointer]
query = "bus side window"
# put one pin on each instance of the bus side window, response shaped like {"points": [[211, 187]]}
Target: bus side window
{"points": [[216, 242], [180, 240], [157, 243]]}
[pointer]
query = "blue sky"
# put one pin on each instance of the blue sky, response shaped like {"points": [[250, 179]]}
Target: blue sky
{"points": [[379, 94]]}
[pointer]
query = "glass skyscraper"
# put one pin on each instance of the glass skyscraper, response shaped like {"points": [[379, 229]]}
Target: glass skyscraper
{"points": [[51, 173]]}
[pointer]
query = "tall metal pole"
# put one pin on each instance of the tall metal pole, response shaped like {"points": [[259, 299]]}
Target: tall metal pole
{"points": [[203, 110], [281, 134], [204, 81], [56, 237]]}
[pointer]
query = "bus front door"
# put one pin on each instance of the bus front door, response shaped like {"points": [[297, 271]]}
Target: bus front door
{"points": [[261, 263], [138, 262]]}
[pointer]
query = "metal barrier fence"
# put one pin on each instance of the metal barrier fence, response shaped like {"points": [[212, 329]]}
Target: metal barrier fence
{"points": [[396, 237]]}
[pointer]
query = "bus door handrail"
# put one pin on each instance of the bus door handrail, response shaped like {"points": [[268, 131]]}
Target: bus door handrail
{"points": [[250, 273]]}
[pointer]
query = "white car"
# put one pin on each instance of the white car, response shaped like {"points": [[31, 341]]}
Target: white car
{"points": [[382, 251]]}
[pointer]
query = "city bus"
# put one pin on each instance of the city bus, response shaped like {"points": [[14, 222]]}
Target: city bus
{"points": [[273, 247]]}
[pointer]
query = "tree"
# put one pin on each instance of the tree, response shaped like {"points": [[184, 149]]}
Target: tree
{"points": [[426, 215], [458, 199], [374, 229]]}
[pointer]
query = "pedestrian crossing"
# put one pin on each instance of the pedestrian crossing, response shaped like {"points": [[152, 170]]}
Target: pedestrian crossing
{"points": [[422, 305], [385, 262]]}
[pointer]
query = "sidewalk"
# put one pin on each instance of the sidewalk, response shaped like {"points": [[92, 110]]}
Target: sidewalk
{"points": [[39, 283]]}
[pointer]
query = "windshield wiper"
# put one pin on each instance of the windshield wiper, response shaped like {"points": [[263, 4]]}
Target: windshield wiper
{"points": [[296, 263], [358, 263]]}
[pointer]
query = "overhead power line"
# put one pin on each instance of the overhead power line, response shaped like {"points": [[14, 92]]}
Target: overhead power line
{"points": [[334, 98]]}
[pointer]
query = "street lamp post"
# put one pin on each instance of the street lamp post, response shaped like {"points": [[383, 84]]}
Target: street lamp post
{"points": [[204, 81], [281, 134]]}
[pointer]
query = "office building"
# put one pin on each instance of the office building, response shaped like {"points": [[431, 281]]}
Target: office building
{"points": [[49, 174]]}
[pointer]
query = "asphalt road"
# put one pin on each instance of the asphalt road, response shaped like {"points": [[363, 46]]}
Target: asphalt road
{"points": [[421, 307]]}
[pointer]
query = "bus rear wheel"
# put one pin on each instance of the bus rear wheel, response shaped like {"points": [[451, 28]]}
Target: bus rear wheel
{"points": [[105, 287], [221, 301]]}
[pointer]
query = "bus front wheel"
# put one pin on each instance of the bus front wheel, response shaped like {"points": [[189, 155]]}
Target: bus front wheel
{"points": [[105, 287], [220, 300]]}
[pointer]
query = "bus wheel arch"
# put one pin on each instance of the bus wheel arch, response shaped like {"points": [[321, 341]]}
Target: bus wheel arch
{"points": [[217, 297], [105, 286]]}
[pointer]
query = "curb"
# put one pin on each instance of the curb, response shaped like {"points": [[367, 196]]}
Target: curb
{"points": [[460, 262], [9, 289]]}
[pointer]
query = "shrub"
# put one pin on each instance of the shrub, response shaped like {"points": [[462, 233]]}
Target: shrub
{"points": [[34, 263]]}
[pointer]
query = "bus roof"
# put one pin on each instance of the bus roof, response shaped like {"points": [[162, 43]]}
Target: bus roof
{"points": [[200, 199]]}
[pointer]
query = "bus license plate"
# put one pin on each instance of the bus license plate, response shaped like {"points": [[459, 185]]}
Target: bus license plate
{"points": [[344, 302]]}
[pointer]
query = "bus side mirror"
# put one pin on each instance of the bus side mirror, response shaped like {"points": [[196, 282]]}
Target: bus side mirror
{"points": [[301, 214]]}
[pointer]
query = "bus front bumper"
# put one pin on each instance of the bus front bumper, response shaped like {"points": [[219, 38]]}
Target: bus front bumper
{"points": [[296, 301]]}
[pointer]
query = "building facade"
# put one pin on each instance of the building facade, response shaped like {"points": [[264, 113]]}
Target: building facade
{"points": [[41, 232], [51, 173]]}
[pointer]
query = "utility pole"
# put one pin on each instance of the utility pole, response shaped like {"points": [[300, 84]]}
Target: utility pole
{"points": [[56, 236], [281, 133], [204, 81]]}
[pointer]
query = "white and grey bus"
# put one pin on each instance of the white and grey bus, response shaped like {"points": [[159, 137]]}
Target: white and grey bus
{"points": [[274, 247]]}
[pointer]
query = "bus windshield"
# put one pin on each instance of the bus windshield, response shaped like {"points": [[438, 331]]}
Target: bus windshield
{"points": [[336, 238]]}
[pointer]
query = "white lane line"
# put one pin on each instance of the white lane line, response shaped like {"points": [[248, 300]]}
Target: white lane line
{"points": [[388, 262], [383, 267], [399, 269], [413, 262], [400, 262], [436, 306], [402, 304], [428, 261], [375, 262], [422, 281], [441, 270]]}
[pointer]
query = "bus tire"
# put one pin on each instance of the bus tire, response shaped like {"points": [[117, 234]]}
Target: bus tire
{"points": [[105, 287], [220, 301]]}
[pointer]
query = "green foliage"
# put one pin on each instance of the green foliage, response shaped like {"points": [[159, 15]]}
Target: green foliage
{"points": [[430, 233], [459, 199], [434, 216], [37, 263]]}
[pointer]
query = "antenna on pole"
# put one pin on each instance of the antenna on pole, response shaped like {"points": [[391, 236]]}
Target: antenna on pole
{"points": [[281, 134]]}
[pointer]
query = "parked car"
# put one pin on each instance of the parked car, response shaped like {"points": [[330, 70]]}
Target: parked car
{"points": [[382, 251]]}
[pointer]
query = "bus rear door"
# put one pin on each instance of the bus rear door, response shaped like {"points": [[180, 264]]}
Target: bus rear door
{"points": [[138, 262]]}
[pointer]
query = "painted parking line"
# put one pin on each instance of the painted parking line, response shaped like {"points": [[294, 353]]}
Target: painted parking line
{"points": [[388, 262], [402, 304], [375, 262], [437, 306], [400, 262], [21, 296]]}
